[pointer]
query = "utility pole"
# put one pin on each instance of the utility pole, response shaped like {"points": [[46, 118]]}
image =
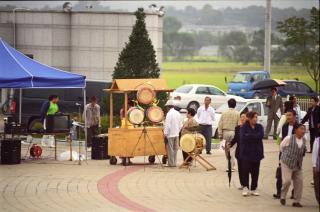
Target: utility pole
{"points": [[267, 37]]}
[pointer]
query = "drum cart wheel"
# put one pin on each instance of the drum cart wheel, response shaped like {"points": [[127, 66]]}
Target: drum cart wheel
{"points": [[113, 160], [152, 159]]}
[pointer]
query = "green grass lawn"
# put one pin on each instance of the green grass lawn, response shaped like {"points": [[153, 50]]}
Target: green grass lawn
{"points": [[214, 73]]}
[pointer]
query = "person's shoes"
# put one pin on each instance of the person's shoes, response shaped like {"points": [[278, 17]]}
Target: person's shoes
{"points": [[89, 149], [283, 201], [255, 193], [208, 153], [291, 197], [240, 188], [276, 196], [265, 138], [245, 192], [233, 170], [297, 205], [52, 146]]}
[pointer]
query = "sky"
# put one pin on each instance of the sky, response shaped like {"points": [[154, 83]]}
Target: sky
{"points": [[216, 4]]}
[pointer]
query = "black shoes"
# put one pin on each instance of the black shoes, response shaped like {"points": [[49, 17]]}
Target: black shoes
{"points": [[297, 205], [283, 201], [208, 153], [276, 196]]}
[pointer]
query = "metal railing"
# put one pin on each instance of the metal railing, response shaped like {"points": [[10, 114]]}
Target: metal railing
{"points": [[304, 103]]}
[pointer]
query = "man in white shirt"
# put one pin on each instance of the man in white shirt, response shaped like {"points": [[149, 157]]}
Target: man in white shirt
{"points": [[172, 127], [205, 118], [293, 149], [296, 108]]}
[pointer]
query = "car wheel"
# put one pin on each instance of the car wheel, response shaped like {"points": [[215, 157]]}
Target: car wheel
{"points": [[113, 160], [152, 159], [194, 105]]}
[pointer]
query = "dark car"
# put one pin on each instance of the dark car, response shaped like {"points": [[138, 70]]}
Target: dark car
{"points": [[292, 87], [297, 88], [70, 100]]}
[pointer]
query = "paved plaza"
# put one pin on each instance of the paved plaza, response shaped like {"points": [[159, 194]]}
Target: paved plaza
{"points": [[47, 185]]}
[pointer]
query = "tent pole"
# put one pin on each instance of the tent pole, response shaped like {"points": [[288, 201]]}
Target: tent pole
{"points": [[85, 121], [20, 105]]}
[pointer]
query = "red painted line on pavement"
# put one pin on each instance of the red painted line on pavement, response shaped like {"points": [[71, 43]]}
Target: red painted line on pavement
{"points": [[108, 186]]}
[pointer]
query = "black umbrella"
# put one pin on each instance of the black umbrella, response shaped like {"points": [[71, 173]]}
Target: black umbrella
{"points": [[229, 166], [267, 83]]}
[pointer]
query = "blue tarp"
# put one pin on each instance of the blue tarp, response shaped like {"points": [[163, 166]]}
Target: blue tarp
{"points": [[19, 71]]}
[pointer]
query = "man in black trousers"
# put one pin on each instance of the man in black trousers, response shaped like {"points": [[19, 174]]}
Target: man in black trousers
{"points": [[313, 116]]}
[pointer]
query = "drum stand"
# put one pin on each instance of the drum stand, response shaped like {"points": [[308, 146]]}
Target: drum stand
{"points": [[195, 155], [145, 135]]}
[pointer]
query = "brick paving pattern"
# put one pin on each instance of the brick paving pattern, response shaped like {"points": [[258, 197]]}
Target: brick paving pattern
{"points": [[47, 185]]}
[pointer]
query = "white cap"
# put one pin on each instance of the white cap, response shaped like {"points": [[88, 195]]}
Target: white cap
{"points": [[169, 103]]}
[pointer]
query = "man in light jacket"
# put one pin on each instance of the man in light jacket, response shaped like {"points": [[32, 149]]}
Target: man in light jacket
{"points": [[92, 119]]}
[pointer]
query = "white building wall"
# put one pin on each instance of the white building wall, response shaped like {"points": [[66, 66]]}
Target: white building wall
{"points": [[89, 46]]}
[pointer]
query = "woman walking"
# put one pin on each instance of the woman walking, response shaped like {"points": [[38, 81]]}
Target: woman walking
{"points": [[236, 140], [251, 152]]}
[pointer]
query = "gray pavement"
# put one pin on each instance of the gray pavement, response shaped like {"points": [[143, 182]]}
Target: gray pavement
{"points": [[47, 185]]}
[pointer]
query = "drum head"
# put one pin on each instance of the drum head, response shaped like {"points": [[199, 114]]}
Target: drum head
{"points": [[135, 115], [155, 114], [188, 142], [145, 95]]}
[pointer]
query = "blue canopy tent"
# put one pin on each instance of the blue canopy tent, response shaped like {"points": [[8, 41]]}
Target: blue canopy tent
{"points": [[17, 71]]}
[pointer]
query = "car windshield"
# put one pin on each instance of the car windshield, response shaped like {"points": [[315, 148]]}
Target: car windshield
{"points": [[241, 77], [184, 89], [225, 107]]}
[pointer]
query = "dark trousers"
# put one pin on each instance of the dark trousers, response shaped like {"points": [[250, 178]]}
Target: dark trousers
{"points": [[240, 171], [91, 132], [250, 168], [206, 131], [316, 180], [279, 180], [313, 134]]}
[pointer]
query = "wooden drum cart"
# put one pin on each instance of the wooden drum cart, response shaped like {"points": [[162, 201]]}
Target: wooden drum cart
{"points": [[145, 139]]}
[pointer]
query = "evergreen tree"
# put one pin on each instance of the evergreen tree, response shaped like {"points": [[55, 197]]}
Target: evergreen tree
{"points": [[138, 58]]}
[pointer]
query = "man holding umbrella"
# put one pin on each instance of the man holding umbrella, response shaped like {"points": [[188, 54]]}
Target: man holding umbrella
{"points": [[275, 105]]}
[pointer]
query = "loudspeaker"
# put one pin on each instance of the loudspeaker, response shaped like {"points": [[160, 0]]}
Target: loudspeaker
{"points": [[57, 123], [10, 151], [99, 150]]}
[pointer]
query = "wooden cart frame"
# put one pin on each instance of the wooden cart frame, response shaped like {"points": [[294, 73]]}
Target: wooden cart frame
{"points": [[130, 142]]}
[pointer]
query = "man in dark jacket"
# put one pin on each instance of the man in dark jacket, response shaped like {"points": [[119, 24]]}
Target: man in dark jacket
{"points": [[313, 116], [251, 152]]}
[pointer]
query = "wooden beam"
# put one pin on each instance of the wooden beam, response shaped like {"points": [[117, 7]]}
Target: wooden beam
{"points": [[126, 109], [111, 111]]}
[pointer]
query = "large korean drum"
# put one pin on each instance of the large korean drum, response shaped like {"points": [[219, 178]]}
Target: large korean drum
{"points": [[145, 95], [155, 114], [135, 115], [192, 142]]}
